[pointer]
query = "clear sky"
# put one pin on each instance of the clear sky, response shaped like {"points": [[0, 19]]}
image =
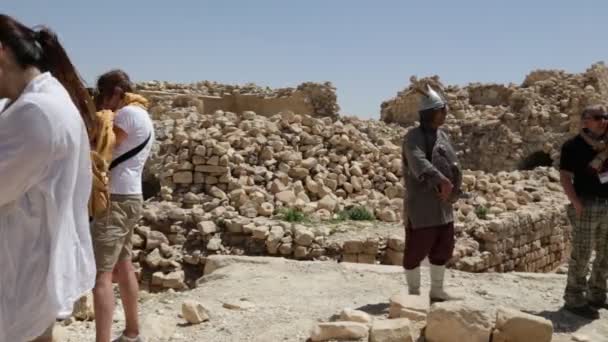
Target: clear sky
{"points": [[368, 49]]}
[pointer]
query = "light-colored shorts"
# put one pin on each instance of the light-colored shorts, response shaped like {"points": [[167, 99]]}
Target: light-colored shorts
{"points": [[112, 231]]}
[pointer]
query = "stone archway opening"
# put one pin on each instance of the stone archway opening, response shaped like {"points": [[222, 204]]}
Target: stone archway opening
{"points": [[535, 160]]}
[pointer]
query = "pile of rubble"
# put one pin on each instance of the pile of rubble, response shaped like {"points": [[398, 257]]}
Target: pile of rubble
{"points": [[507, 127], [242, 183], [258, 165], [515, 223], [227, 181], [252, 299], [445, 322]]}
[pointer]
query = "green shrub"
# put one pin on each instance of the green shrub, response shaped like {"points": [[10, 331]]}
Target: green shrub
{"points": [[481, 212], [292, 215], [358, 213]]}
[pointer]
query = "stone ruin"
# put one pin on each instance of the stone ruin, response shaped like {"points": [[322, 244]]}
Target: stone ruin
{"points": [[500, 127], [221, 180], [208, 97]]}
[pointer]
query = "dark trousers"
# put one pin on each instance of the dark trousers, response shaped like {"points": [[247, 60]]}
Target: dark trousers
{"points": [[436, 242]]}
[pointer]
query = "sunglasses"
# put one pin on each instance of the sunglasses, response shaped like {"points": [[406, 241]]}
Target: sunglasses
{"points": [[599, 117]]}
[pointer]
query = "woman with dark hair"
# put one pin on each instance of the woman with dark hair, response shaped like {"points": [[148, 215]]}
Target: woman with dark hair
{"points": [[46, 254]]}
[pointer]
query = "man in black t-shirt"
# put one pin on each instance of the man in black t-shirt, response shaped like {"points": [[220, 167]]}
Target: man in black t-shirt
{"points": [[584, 176]]}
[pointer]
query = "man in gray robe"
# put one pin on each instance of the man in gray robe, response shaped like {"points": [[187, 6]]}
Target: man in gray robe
{"points": [[432, 181]]}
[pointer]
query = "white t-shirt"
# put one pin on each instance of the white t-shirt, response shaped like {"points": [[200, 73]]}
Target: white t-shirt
{"points": [[125, 179]]}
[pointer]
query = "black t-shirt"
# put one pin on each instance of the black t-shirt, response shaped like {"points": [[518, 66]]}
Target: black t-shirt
{"points": [[576, 156]]}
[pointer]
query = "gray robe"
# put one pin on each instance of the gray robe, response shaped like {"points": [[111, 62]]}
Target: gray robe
{"points": [[422, 178]]}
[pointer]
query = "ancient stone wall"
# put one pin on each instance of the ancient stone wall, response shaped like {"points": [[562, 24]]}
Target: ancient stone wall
{"points": [[173, 242], [228, 183], [506, 127], [308, 98], [226, 179]]}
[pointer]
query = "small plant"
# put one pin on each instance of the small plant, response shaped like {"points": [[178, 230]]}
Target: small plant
{"points": [[481, 212], [358, 213], [292, 215]]}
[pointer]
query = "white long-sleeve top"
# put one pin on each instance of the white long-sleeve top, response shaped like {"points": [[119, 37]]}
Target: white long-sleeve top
{"points": [[46, 254]]}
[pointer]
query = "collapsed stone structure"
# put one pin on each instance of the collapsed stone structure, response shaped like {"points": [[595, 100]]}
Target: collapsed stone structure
{"points": [[507, 127], [220, 182], [208, 97]]}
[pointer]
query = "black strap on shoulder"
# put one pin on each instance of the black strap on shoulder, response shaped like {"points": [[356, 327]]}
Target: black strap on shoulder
{"points": [[130, 154]]}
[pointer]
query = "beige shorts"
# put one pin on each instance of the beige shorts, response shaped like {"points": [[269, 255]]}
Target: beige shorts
{"points": [[112, 231]]}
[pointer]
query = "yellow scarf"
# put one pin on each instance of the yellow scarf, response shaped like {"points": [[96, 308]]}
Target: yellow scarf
{"points": [[135, 100], [102, 147]]}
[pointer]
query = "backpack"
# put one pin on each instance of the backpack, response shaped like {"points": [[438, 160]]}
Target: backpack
{"points": [[102, 146]]}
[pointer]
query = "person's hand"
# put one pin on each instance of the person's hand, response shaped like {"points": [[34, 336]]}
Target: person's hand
{"points": [[445, 189], [578, 208]]}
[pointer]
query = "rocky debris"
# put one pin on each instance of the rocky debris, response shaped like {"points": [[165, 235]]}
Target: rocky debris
{"points": [[230, 178], [157, 327], [174, 280], [516, 326], [339, 331], [84, 309], [194, 313], [359, 316], [285, 317], [534, 237], [391, 330], [508, 127], [412, 307], [243, 304], [449, 321], [262, 165], [457, 321]]}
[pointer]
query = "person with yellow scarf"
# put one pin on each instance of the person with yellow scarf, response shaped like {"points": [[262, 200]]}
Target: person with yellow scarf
{"points": [[125, 147]]}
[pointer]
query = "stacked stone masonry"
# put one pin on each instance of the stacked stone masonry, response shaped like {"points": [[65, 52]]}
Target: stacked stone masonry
{"points": [[223, 180], [508, 127], [207, 97]]}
